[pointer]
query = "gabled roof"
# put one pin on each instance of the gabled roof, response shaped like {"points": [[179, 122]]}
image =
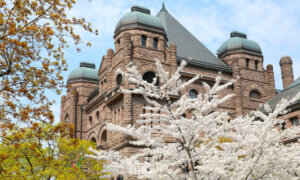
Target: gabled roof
{"points": [[189, 48], [287, 93]]}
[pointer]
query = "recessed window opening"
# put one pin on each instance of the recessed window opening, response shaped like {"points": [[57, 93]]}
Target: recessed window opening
{"points": [[294, 121], [256, 65], [98, 115], [144, 40], [149, 76], [91, 120], [255, 94], [93, 140], [247, 62], [119, 79], [155, 41], [193, 94]]}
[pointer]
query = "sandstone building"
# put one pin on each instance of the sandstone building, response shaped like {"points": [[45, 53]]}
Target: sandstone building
{"points": [[94, 96]]}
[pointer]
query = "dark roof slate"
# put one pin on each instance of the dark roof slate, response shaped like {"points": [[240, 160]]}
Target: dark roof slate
{"points": [[287, 93], [189, 48]]}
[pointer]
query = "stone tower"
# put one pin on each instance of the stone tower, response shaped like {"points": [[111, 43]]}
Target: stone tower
{"points": [[80, 82], [254, 84], [286, 66]]}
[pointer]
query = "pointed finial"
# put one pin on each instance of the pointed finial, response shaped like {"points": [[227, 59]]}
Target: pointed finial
{"points": [[163, 8]]}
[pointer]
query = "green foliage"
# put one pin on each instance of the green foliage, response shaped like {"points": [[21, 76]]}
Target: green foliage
{"points": [[43, 154]]}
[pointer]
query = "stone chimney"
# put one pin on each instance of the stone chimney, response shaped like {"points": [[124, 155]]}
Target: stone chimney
{"points": [[286, 71]]}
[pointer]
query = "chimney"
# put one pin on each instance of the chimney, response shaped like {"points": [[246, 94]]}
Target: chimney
{"points": [[286, 71]]}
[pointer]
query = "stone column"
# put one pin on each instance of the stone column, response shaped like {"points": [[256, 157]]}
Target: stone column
{"points": [[62, 108], [237, 89], [286, 71], [173, 59], [110, 75], [271, 81]]}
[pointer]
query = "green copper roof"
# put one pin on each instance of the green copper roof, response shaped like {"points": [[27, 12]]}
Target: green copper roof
{"points": [[239, 40], [139, 16], [86, 71], [189, 48]]}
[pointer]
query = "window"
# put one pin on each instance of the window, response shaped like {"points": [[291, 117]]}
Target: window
{"points": [[283, 126], [119, 79], [247, 62], [193, 94], [144, 39], [118, 41], [210, 98], [93, 140], [91, 120], [67, 119], [104, 138], [98, 115], [155, 41], [254, 94], [294, 121], [183, 115], [120, 177], [149, 76], [256, 65]]}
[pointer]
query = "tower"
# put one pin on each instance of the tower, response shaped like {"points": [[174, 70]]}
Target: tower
{"points": [[80, 82], [254, 84], [286, 66]]}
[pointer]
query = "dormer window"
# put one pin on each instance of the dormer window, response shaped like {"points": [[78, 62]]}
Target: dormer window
{"points": [[247, 62], [144, 39], [155, 41], [256, 65]]}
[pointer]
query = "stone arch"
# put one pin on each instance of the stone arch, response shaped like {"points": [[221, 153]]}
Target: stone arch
{"points": [[92, 135], [255, 87], [254, 94], [67, 118]]}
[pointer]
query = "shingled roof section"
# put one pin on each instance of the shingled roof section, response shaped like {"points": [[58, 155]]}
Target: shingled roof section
{"points": [[189, 48]]}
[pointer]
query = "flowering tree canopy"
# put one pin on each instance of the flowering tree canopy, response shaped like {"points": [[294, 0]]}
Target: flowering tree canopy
{"points": [[33, 36], [206, 145]]}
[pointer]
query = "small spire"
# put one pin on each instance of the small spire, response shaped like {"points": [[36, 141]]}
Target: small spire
{"points": [[163, 8]]}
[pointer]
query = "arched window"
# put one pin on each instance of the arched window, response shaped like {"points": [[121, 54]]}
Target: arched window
{"points": [[91, 120], [103, 138], [119, 79], [255, 94], [67, 119], [98, 115], [149, 76], [193, 93], [93, 140]]}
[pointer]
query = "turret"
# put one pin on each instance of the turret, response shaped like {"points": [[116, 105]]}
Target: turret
{"points": [[286, 66]]}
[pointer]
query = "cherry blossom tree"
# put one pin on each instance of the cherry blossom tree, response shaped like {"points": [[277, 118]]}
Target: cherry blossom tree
{"points": [[206, 145]]}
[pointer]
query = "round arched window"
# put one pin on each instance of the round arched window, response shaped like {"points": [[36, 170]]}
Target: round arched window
{"points": [[193, 93], [98, 115], [119, 79], [104, 137], [149, 76], [67, 119], [255, 94], [91, 120], [93, 140]]}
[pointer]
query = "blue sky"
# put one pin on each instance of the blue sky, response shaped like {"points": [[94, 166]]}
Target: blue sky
{"points": [[274, 24]]}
